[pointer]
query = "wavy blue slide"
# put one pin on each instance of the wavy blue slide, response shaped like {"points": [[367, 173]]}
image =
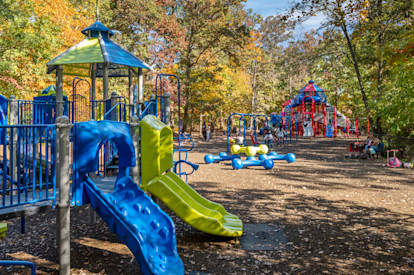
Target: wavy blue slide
{"points": [[139, 223]]}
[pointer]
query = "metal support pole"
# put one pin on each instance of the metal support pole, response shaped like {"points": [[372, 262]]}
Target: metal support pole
{"points": [[140, 88], [62, 179], [93, 90], [167, 108], [135, 134], [105, 82], [105, 79], [59, 91], [131, 94], [114, 113], [91, 215], [14, 120]]}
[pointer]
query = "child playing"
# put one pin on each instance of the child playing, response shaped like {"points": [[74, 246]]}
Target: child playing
{"points": [[239, 139], [268, 138], [280, 133]]}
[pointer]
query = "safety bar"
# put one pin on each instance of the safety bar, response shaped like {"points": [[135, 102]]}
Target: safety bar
{"points": [[20, 263]]}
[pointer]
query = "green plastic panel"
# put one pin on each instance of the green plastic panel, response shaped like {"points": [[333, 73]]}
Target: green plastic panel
{"points": [[87, 51], [191, 207], [156, 148], [3, 229]]}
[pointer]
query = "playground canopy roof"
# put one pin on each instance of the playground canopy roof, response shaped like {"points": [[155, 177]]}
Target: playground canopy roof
{"points": [[97, 48], [287, 102], [311, 87], [49, 91]]}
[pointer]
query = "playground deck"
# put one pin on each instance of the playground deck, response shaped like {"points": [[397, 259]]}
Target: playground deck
{"points": [[106, 184], [338, 215]]}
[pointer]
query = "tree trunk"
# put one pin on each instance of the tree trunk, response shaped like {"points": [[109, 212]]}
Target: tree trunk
{"points": [[184, 122], [380, 63], [187, 94], [356, 67], [254, 87]]}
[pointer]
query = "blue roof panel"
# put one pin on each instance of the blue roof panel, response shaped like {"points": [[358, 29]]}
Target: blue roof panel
{"points": [[97, 26], [118, 55]]}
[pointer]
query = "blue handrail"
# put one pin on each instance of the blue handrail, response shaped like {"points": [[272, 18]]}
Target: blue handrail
{"points": [[180, 173], [150, 109], [162, 115], [74, 108], [121, 115], [20, 263]]}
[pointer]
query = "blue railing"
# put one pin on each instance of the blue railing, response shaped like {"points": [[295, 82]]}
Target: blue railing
{"points": [[20, 263], [106, 154], [78, 109], [183, 159], [36, 112], [27, 164], [117, 112], [44, 112], [150, 109], [98, 108]]}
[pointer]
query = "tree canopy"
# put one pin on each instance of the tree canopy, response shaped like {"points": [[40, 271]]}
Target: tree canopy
{"points": [[230, 59]]}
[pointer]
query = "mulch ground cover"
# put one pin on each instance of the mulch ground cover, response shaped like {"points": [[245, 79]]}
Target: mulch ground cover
{"points": [[324, 213]]}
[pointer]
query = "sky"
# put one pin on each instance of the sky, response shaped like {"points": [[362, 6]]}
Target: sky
{"points": [[273, 7], [267, 7]]}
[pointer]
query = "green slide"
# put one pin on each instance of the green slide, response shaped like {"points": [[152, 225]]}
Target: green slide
{"points": [[191, 207]]}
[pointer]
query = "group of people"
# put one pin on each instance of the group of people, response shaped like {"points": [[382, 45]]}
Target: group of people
{"points": [[268, 135], [279, 133], [371, 145], [366, 149]]}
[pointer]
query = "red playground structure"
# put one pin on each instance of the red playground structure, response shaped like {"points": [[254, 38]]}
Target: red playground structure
{"points": [[315, 116]]}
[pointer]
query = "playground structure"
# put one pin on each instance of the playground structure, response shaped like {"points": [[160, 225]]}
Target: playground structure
{"points": [[289, 158], [242, 130], [314, 116], [265, 160], [250, 151], [252, 161], [46, 146], [157, 106], [289, 125], [220, 157]]}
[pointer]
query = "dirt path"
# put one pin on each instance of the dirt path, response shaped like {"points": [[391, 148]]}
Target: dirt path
{"points": [[338, 215]]}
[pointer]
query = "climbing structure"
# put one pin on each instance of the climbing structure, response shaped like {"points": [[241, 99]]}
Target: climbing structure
{"points": [[313, 114]]}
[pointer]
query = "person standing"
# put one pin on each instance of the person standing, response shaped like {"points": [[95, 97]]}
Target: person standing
{"points": [[280, 133], [204, 131], [208, 133], [268, 139]]}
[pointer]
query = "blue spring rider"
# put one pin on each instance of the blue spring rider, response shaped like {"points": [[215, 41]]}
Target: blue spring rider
{"points": [[274, 156], [252, 161], [221, 157]]}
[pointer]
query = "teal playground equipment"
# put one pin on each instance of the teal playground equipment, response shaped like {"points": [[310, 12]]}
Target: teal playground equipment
{"points": [[47, 142], [61, 150]]}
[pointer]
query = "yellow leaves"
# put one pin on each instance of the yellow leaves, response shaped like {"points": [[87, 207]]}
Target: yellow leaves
{"points": [[63, 14]]}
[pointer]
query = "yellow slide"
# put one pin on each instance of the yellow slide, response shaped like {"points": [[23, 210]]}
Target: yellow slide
{"points": [[191, 207]]}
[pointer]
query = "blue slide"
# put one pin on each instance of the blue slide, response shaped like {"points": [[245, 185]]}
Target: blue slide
{"points": [[137, 220]]}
